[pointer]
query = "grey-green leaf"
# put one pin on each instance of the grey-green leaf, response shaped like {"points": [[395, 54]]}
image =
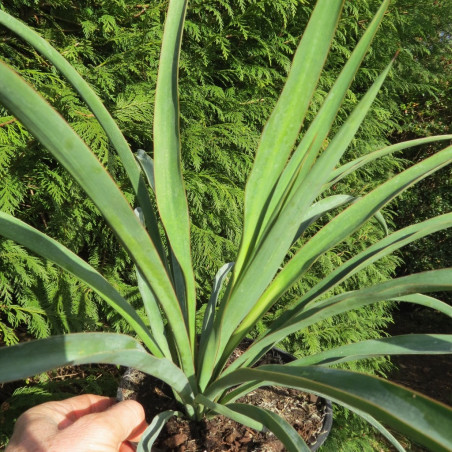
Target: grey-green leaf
{"points": [[410, 344], [154, 428], [421, 418], [101, 113], [43, 245], [292, 441], [85, 348]]}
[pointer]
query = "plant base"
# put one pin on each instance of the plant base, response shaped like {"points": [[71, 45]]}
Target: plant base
{"points": [[310, 415]]}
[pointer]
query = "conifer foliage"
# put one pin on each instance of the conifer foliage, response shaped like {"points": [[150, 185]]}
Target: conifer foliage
{"points": [[233, 65], [234, 60]]}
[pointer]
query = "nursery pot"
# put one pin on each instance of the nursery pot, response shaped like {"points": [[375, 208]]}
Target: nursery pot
{"points": [[312, 416]]}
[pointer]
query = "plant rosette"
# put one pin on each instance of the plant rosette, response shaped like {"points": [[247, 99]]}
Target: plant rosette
{"points": [[311, 416], [287, 191]]}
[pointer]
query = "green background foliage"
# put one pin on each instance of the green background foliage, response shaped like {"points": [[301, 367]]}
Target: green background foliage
{"points": [[234, 60]]}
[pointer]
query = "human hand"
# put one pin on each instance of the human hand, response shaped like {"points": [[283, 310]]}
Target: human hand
{"points": [[85, 423]]}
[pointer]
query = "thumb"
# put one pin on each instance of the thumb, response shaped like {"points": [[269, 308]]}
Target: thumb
{"points": [[121, 409], [131, 417], [107, 430]]}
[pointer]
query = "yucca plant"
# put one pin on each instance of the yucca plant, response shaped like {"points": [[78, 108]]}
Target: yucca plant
{"points": [[287, 191]]}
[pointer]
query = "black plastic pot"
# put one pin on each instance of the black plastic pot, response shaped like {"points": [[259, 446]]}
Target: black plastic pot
{"points": [[327, 425], [132, 379]]}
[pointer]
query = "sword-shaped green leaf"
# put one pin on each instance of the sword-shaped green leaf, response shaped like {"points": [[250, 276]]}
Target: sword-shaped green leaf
{"points": [[103, 116], [147, 164], [411, 413], [44, 246], [380, 249], [291, 439], [169, 185], [154, 428], [225, 411], [319, 208], [410, 344], [294, 319], [151, 305], [346, 223], [209, 317], [378, 426], [34, 357], [67, 147], [307, 151], [283, 126], [275, 243], [348, 168]]}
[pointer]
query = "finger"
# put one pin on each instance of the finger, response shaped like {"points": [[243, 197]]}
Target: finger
{"points": [[51, 416], [61, 411], [48, 418], [76, 407], [134, 429], [135, 436], [106, 430]]}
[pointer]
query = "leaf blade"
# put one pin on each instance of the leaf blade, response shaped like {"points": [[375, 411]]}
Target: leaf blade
{"points": [[423, 419], [151, 305], [349, 167], [85, 348], [226, 411], [296, 319], [292, 441], [276, 242], [311, 143], [169, 184], [282, 128], [154, 428], [103, 116], [48, 248], [67, 147], [350, 220], [410, 344]]}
